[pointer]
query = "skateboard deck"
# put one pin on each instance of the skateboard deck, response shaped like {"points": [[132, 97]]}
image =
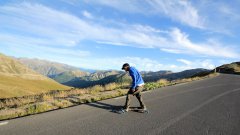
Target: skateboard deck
{"points": [[134, 109]]}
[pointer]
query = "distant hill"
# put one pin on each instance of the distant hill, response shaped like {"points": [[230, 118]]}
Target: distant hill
{"points": [[232, 68], [154, 76], [57, 71], [98, 77], [18, 80], [121, 77]]}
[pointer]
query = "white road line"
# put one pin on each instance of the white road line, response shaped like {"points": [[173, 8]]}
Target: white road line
{"points": [[3, 123], [119, 97]]}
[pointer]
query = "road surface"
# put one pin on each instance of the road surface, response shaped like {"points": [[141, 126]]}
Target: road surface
{"points": [[206, 107]]}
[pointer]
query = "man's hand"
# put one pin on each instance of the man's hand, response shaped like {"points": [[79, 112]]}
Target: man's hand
{"points": [[135, 92], [131, 91]]}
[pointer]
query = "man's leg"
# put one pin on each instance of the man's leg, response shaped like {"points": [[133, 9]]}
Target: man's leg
{"points": [[127, 103], [139, 97]]}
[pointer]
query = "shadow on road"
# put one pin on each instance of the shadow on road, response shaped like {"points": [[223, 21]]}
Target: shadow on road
{"points": [[109, 107]]}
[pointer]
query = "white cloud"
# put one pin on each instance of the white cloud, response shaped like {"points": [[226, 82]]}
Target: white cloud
{"points": [[47, 51], [87, 14], [185, 61], [220, 17], [143, 64], [206, 49], [112, 43], [122, 5], [176, 51], [44, 26], [71, 2], [204, 14], [178, 10], [207, 64]]}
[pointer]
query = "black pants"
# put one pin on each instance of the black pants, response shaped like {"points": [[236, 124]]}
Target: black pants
{"points": [[138, 96]]}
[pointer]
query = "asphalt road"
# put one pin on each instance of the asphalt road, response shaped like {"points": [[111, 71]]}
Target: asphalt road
{"points": [[206, 107]]}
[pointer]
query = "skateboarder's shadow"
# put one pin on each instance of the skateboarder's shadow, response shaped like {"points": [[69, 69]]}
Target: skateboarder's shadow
{"points": [[111, 108]]}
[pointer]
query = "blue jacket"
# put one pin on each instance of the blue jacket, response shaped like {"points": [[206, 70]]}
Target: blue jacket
{"points": [[136, 77]]}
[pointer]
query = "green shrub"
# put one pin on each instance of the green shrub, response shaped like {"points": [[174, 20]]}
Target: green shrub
{"points": [[151, 86]]}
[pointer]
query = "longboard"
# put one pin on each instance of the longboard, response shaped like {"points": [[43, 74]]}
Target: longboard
{"points": [[134, 109]]}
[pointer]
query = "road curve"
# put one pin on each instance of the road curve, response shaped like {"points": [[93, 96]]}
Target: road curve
{"points": [[205, 107]]}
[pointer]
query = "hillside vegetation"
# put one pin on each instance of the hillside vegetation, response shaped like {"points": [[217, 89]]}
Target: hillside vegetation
{"points": [[18, 80], [232, 68]]}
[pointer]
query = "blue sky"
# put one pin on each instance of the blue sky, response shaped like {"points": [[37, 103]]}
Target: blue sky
{"points": [[103, 34]]}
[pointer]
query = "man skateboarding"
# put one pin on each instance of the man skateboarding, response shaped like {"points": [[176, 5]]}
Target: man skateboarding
{"points": [[136, 87]]}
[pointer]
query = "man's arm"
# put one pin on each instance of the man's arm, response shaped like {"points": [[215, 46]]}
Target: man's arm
{"points": [[134, 81]]}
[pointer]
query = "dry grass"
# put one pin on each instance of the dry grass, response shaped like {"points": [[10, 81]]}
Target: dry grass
{"points": [[95, 89], [111, 86], [163, 82]]}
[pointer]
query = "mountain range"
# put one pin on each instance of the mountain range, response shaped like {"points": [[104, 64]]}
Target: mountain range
{"points": [[122, 77], [73, 76]]}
